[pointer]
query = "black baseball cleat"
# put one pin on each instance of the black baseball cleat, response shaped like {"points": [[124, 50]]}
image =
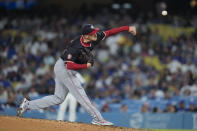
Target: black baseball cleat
{"points": [[23, 107]]}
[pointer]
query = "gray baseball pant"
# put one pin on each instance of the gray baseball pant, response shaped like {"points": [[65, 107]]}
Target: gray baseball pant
{"points": [[66, 81]]}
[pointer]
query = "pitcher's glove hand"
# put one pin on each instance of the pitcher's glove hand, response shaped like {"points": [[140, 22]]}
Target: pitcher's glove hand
{"points": [[91, 59]]}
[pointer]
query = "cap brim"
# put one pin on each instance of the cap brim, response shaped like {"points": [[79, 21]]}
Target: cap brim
{"points": [[94, 31]]}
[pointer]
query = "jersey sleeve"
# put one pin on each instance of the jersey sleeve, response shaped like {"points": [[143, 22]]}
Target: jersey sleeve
{"points": [[74, 66], [101, 35], [115, 31]]}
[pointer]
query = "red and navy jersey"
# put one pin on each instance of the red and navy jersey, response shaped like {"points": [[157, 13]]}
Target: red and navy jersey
{"points": [[74, 56], [75, 50]]}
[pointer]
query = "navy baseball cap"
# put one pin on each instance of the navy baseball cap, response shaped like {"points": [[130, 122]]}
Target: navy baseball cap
{"points": [[88, 29], [181, 102]]}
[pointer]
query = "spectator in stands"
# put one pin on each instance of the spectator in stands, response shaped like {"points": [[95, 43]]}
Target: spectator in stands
{"points": [[32, 92], [42, 69], [115, 96], [168, 107], [28, 76], [124, 108], [167, 96], [22, 85], [145, 108], [173, 109], [155, 38], [11, 101], [1, 107], [151, 85], [159, 94], [6, 83], [91, 90], [135, 94], [185, 90], [152, 94], [105, 108], [126, 91], [193, 89], [3, 94], [192, 108], [156, 110], [181, 107], [139, 79]]}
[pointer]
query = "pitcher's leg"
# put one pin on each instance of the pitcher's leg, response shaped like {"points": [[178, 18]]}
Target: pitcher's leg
{"points": [[60, 93], [75, 88]]}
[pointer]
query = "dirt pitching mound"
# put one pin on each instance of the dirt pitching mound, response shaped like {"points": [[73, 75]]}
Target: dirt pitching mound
{"points": [[26, 124]]}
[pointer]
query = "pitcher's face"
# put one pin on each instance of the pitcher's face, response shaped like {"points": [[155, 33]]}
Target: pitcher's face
{"points": [[92, 37]]}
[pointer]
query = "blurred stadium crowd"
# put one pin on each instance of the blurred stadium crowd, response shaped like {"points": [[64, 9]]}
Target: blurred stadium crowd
{"points": [[159, 63]]}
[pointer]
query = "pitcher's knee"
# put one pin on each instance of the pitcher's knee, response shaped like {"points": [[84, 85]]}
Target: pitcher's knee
{"points": [[58, 99]]}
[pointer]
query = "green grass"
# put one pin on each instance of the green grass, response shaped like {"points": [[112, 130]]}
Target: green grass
{"points": [[172, 130]]}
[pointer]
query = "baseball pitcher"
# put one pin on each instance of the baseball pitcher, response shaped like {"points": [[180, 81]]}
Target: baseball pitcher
{"points": [[76, 56]]}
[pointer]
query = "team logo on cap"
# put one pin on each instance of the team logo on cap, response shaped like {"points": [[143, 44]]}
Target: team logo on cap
{"points": [[92, 27], [69, 56]]}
